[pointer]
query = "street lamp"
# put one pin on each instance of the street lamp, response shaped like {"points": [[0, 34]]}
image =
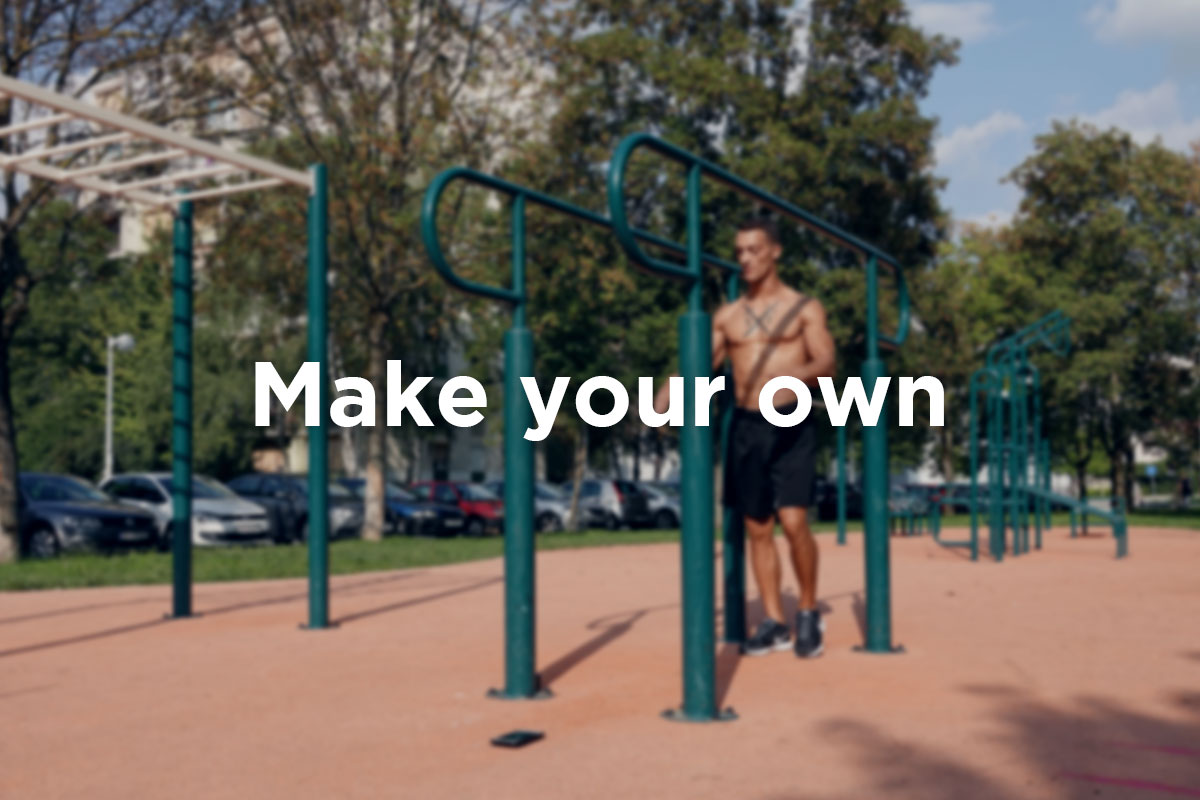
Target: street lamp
{"points": [[124, 343]]}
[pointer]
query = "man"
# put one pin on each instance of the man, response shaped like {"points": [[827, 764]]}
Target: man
{"points": [[772, 330]]}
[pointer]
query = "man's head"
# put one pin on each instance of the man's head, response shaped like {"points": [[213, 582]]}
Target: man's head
{"points": [[757, 248]]}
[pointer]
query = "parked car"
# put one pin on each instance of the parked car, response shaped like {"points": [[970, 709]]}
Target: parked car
{"points": [[482, 507], [664, 505], [411, 516], [619, 503], [60, 513], [550, 508], [286, 499], [218, 515], [825, 499], [908, 500]]}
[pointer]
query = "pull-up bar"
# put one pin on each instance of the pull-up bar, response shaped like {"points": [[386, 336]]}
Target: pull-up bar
{"points": [[695, 355], [695, 333], [117, 129]]}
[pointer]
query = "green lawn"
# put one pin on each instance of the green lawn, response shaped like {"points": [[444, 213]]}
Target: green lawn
{"points": [[291, 561]]}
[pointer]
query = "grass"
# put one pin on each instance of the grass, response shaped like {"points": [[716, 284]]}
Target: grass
{"points": [[350, 556]]}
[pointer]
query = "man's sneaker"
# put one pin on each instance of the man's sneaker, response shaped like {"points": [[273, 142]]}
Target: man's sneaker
{"points": [[809, 629], [769, 636]]}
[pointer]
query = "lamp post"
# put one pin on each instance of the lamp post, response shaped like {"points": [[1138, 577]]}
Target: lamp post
{"points": [[124, 343]]}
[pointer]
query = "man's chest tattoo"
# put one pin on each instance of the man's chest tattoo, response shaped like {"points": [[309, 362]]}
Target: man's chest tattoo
{"points": [[755, 322]]}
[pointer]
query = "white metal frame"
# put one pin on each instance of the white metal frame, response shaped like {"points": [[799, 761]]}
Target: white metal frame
{"points": [[149, 144]]}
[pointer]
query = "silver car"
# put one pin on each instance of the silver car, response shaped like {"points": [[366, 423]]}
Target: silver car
{"points": [[664, 506], [550, 507], [218, 515]]}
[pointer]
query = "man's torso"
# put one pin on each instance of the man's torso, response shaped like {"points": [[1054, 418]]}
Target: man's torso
{"points": [[764, 339]]}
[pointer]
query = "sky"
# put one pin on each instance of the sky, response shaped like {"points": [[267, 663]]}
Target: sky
{"points": [[1133, 64]]}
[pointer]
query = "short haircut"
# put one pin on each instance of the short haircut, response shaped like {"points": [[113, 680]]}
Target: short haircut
{"points": [[761, 222]]}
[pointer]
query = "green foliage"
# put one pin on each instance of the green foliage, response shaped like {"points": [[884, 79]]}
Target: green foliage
{"points": [[1109, 232], [58, 358]]}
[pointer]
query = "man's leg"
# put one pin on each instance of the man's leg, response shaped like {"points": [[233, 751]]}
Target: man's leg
{"points": [[764, 558], [794, 520]]}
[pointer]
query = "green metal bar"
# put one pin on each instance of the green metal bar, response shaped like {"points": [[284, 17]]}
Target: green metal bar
{"points": [[1021, 458], [841, 483], [181, 424], [875, 489], [695, 444], [318, 442], [1046, 479], [521, 680], [616, 195], [429, 233], [983, 379], [520, 609], [733, 533]]}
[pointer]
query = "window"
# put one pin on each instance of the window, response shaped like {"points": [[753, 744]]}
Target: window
{"points": [[445, 494], [589, 489], [473, 491], [55, 488], [204, 488], [423, 492], [246, 484], [137, 490]]}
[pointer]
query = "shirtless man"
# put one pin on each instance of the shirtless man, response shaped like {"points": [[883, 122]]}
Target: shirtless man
{"points": [[772, 330]]}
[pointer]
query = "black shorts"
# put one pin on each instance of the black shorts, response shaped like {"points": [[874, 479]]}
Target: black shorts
{"points": [[767, 467]]}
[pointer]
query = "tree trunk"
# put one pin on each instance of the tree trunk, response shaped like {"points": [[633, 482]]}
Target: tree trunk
{"points": [[1130, 477], [9, 525], [947, 465], [1116, 474], [374, 517], [347, 444], [659, 455], [1081, 480], [637, 456], [580, 466]]}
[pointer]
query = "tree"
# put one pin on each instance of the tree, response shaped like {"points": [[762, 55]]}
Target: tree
{"points": [[835, 129], [58, 355], [1109, 231], [384, 92], [962, 303], [68, 46]]}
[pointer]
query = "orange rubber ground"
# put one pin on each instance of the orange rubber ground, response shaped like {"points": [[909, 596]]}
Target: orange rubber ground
{"points": [[1061, 674]]}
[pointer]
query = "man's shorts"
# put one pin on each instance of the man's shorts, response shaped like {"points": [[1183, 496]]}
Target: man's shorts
{"points": [[767, 467]]}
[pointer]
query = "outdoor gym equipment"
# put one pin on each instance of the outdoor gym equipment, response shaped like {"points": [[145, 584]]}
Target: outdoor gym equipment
{"points": [[695, 354], [1011, 386], [520, 630], [151, 144], [696, 441]]}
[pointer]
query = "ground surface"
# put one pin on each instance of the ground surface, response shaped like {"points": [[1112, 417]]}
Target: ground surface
{"points": [[1061, 674]]}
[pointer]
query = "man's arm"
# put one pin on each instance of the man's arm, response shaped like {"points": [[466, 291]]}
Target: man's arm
{"points": [[822, 356], [662, 397]]}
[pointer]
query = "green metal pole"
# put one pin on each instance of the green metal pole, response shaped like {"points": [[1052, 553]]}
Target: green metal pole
{"points": [[1046, 477], [996, 468], [318, 442], [695, 445], [875, 489], [181, 430], [520, 631], [974, 466], [841, 483], [733, 531], [1021, 461]]}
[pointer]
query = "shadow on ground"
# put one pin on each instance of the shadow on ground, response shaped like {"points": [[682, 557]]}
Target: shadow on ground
{"points": [[1095, 748]]}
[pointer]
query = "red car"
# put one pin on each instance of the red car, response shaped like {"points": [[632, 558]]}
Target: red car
{"points": [[483, 509]]}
